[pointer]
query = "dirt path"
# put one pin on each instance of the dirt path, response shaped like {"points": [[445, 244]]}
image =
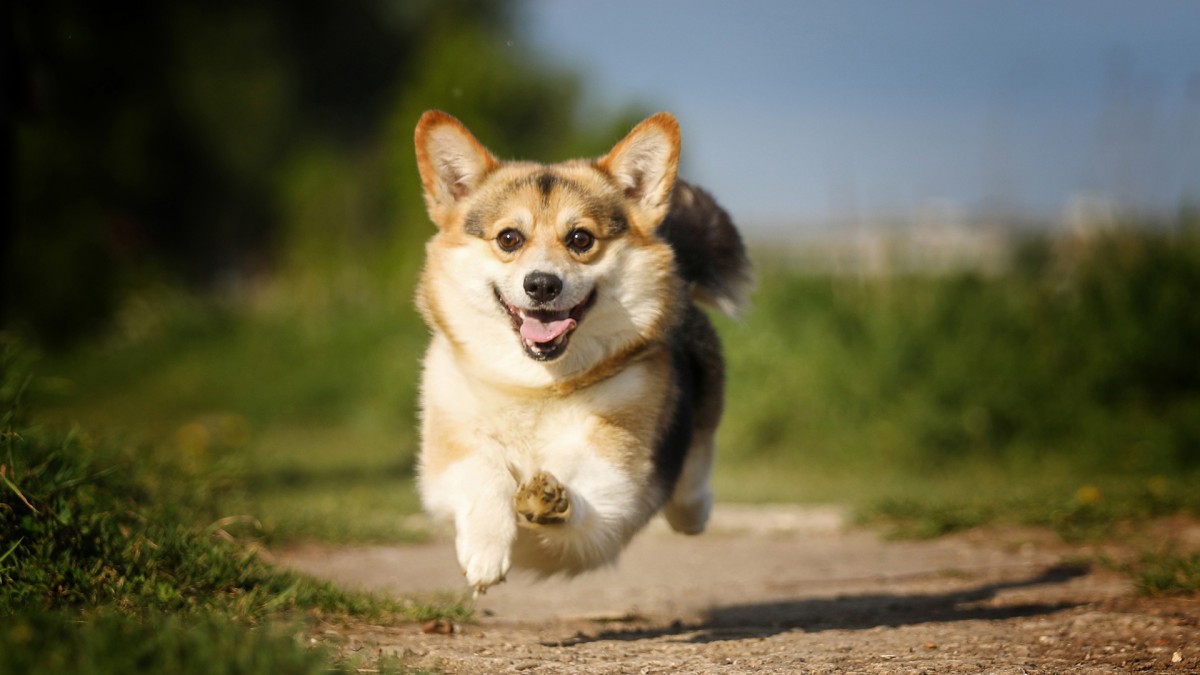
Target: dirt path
{"points": [[784, 590]]}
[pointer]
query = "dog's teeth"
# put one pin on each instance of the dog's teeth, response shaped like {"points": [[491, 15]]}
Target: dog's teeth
{"points": [[546, 346]]}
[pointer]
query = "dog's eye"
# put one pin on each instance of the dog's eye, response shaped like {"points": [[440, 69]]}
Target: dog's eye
{"points": [[510, 240], [580, 240]]}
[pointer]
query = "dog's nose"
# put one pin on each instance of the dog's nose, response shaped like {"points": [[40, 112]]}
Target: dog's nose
{"points": [[542, 287]]}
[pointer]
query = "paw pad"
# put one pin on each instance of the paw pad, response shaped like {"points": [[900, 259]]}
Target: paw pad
{"points": [[542, 501]]}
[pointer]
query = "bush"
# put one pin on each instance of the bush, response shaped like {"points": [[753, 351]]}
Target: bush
{"points": [[1084, 352]]}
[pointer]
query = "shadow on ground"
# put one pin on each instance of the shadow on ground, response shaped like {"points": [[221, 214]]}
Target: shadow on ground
{"points": [[853, 612]]}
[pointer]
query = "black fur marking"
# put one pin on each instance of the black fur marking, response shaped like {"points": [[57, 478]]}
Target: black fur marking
{"points": [[617, 223], [608, 213], [698, 373], [673, 446], [473, 225], [546, 183]]}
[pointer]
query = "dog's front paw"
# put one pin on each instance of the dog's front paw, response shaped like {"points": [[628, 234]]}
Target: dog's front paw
{"points": [[485, 560], [542, 501]]}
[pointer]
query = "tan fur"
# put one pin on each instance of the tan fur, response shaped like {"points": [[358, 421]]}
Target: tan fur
{"points": [[576, 418]]}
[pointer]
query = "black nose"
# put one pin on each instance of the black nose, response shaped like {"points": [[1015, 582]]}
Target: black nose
{"points": [[542, 287]]}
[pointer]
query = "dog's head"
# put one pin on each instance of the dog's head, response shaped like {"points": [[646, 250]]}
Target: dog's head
{"points": [[563, 257]]}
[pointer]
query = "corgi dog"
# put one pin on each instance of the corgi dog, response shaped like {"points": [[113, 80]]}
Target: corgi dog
{"points": [[571, 388]]}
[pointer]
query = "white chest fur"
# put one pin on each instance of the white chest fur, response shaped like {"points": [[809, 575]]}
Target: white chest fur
{"points": [[482, 442]]}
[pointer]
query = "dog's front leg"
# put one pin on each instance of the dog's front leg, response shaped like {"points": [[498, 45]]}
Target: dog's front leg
{"points": [[478, 491], [542, 501]]}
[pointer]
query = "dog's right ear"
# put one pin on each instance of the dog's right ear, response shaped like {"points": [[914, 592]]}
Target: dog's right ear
{"points": [[452, 163]]}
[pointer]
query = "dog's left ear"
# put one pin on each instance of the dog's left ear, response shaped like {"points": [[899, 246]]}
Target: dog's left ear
{"points": [[452, 163], [645, 163]]}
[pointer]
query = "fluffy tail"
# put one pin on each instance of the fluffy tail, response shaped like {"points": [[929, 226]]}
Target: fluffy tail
{"points": [[708, 249]]}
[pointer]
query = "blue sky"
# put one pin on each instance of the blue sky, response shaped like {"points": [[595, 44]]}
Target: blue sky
{"points": [[799, 113]]}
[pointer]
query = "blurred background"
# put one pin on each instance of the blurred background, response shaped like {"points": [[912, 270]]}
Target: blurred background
{"points": [[975, 227]]}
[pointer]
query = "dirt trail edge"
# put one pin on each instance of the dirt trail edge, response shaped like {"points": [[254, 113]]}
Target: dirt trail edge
{"points": [[782, 590]]}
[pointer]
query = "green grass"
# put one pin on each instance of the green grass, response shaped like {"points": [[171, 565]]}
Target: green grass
{"points": [[1094, 511], [106, 643], [308, 415], [115, 644], [116, 558], [1166, 572]]}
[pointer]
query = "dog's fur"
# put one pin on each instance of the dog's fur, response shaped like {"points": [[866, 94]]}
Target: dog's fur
{"points": [[571, 388]]}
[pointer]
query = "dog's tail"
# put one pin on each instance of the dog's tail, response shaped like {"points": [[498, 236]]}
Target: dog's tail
{"points": [[708, 249]]}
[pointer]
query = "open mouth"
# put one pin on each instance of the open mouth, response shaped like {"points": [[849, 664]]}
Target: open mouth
{"points": [[544, 333]]}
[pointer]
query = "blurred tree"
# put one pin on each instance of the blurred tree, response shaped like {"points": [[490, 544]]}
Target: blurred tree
{"points": [[199, 142]]}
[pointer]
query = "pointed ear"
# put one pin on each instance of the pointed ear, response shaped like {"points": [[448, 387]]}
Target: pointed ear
{"points": [[645, 163], [452, 163]]}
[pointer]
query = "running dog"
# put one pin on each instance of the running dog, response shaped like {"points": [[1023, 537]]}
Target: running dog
{"points": [[572, 388]]}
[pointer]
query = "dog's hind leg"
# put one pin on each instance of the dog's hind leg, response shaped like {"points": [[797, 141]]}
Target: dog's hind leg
{"points": [[691, 499], [691, 502]]}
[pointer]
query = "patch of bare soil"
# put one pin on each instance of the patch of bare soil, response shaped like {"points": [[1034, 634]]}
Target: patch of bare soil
{"points": [[782, 590]]}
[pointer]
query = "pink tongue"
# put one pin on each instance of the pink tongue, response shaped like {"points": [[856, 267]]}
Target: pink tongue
{"points": [[544, 331]]}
